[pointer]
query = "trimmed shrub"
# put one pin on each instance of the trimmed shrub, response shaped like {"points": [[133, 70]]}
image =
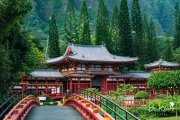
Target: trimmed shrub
{"points": [[55, 103], [141, 95]]}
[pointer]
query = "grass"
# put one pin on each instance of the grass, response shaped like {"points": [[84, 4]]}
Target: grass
{"points": [[164, 118]]}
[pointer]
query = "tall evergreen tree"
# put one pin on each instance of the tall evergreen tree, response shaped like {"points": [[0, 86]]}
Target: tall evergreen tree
{"points": [[168, 49], [152, 43], [125, 30], [53, 42], [115, 38], [136, 19], [144, 57], [84, 28], [176, 41], [102, 24], [70, 23], [155, 55]]}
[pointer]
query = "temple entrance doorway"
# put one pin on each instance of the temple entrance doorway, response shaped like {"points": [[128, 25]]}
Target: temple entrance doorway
{"points": [[96, 82]]}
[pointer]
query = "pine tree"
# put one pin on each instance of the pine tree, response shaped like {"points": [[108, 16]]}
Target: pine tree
{"points": [[136, 19], [155, 55], [176, 41], [70, 23], [107, 36], [53, 42], [125, 30], [102, 24], [144, 56], [115, 38], [84, 28], [168, 49], [152, 43]]}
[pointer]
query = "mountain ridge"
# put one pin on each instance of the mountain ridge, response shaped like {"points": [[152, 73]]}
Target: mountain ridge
{"points": [[160, 11]]}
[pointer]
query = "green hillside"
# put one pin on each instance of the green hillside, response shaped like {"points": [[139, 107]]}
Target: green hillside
{"points": [[37, 21]]}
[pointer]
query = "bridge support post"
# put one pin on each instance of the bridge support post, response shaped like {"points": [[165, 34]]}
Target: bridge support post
{"points": [[87, 104], [106, 117], [95, 110], [21, 106], [16, 111]]}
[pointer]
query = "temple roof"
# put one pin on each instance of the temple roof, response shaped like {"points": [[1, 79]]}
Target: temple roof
{"points": [[47, 73], [91, 53], [161, 63], [136, 75]]}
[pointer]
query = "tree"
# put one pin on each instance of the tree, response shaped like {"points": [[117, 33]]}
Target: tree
{"points": [[168, 49], [19, 55], [167, 80], [136, 19], [102, 24], [125, 88], [176, 55], [35, 57], [70, 23], [144, 57], [53, 42], [115, 38], [5, 69], [14, 45], [176, 41], [125, 30], [84, 28], [154, 42], [151, 42], [11, 12], [86, 40]]}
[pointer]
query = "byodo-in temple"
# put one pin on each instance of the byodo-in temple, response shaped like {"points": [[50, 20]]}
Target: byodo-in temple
{"points": [[90, 66]]}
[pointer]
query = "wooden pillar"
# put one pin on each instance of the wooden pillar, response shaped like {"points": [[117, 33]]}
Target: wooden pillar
{"points": [[160, 91], [67, 85], [22, 92], [117, 84], [79, 83], [36, 89], [70, 84], [153, 92], [46, 89], [56, 89], [90, 82], [103, 84], [106, 84]]}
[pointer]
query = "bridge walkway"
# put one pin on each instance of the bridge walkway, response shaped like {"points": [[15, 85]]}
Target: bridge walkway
{"points": [[54, 113]]}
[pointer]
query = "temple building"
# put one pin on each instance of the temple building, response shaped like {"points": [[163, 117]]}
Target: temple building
{"points": [[89, 66]]}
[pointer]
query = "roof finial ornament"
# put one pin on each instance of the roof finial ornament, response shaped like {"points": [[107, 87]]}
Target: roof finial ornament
{"points": [[83, 55], [160, 60], [104, 44], [69, 43]]}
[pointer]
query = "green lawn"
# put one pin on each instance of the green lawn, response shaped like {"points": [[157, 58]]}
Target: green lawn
{"points": [[164, 118]]}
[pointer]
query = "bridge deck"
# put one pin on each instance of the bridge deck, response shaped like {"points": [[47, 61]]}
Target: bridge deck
{"points": [[54, 113]]}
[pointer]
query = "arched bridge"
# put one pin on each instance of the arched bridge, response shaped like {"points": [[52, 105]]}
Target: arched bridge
{"points": [[88, 106]]}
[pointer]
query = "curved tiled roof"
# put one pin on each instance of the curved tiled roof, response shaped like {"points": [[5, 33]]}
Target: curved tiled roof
{"points": [[161, 62], [92, 53], [47, 73], [137, 75]]}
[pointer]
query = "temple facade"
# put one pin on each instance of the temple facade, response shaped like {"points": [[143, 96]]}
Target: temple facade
{"points": [[89, 66]]}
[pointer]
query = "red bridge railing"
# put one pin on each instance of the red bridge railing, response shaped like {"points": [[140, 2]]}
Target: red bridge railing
{"points": [[20, 110], [88, 109]]}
